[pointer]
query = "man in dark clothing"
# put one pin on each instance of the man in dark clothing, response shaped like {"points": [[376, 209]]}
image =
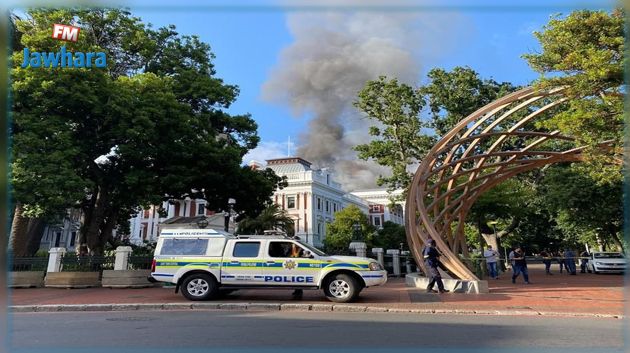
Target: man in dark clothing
{"points": [[546, 260], [432, 262], [569, 258], [519, 265]]}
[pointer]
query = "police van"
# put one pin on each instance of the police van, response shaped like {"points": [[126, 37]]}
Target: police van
{"points": [[204, 262]]}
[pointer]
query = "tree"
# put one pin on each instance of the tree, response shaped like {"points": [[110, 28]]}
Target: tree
{"points": [[402, 137], [584, 207], [399, 140], [390, 236], [271, 218], [584, 53], [339, 232], [148, 128]]}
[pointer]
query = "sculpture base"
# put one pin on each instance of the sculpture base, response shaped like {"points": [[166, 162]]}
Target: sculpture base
{"points": [[454, 285]]}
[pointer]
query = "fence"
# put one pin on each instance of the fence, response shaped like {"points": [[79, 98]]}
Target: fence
{"points": [[23, 264], [139, 262], [74, 263]]}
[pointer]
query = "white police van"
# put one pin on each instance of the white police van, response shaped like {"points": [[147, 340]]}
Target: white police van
{"points": [[203, 262]]}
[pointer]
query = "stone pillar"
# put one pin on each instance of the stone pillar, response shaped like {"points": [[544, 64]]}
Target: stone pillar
{"points": [[122, 258], [359, 247], [396, 260], [54, 260], [407, 261], [379, 256]]}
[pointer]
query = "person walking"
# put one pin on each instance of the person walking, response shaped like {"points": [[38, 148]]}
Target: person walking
{"points": [[432, 262], [584, 256], [519, 265], [545, 254], [491, 261], [569, 258]]}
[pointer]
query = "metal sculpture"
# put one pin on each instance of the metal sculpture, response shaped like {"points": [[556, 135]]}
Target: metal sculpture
{"points": [[489, 146]]}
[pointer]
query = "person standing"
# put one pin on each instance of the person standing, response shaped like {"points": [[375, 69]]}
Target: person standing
{"points": [[432, 262], [561, 262], [519, 264], [569, 258], [584, 256], [547, 261], [491, 261]]}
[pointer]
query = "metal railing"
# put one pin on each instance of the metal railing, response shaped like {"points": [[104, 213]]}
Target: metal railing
{"points": [[139, 262], [72, 262], [23, 264]]}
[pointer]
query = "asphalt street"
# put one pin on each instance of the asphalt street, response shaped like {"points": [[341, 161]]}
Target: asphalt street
{"points": [[179, 331]]}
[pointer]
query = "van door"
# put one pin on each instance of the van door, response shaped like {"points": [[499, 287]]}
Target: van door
{"points": [[242, 264], [288, 265]]}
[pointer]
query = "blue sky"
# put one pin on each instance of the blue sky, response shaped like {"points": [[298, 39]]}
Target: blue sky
{"points": [[247, 45]]}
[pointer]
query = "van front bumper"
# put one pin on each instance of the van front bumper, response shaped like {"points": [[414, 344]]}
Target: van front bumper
{"points": [[374, 278]]}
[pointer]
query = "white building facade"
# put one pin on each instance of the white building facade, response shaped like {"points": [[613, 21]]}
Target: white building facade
{"points": [[380, 208], [311, 198], [144, 227]]}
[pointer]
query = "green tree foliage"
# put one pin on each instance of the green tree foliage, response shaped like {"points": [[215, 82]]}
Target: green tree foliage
{"points": [[399, 138], [271, 218], [390, 236], [584, 52], [453, 95], [584, 206], [155, 117], [339, 232]]}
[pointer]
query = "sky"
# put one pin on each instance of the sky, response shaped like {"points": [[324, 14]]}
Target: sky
{"points": [[299, 63]]}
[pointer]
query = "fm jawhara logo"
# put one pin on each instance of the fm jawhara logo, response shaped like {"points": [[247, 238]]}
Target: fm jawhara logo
{"points": [[64, 58]]}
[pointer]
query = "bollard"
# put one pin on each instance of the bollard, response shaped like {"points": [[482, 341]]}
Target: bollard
{"points": [[54, 261], [379, 256], [122, 258], [359, 248], [396, 260]]}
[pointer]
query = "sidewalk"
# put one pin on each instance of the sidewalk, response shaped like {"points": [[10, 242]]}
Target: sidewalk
{"points": [[561, 294]]}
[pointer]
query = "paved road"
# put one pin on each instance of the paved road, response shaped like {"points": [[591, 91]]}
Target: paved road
{"points": [[174, 330]]}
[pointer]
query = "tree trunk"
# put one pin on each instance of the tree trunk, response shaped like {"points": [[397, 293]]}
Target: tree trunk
{"points": [[618, 244], [36, 227], [95, 216], [19, 232]]}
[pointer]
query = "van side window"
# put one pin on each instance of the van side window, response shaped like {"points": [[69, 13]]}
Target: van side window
{"points": [[193, 247], [284, 249], [246, 249]]}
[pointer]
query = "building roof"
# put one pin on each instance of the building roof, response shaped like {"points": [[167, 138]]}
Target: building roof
{"points": [[289, 165]]}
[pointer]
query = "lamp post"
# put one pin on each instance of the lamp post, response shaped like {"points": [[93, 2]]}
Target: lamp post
{"points": [[228, 214], [356, 232]]}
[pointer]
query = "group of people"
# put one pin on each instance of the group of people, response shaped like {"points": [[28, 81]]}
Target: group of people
{"points": [[518, 261], [566, 261]]}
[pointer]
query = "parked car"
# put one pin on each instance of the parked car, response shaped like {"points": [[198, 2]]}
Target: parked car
{"points": [[608, 262]]}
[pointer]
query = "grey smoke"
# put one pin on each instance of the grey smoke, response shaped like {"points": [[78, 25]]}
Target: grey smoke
{"points": [[330, 60]]}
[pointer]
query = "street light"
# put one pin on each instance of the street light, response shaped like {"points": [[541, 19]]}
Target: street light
{"points": [[228, 214], [356, 234]]}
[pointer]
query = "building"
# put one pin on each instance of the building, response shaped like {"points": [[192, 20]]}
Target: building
{"points": [[311, 197], [380, 206], [64, 234], [144, 226]]}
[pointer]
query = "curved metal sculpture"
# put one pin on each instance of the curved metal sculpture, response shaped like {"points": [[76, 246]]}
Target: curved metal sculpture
{"points": [[489, 146]]}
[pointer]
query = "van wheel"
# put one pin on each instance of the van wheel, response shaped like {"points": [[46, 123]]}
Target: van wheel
{"points": [[199, 286], [341, 288]]}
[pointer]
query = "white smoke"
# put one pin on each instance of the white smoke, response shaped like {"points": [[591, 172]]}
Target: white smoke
{"points": [[331, 58]]}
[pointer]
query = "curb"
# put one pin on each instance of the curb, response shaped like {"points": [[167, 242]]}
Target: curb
{"points": [[293, 307]]}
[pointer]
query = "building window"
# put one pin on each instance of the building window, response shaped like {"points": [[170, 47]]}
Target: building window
{"points": [[73, 237], [319, 204], [201, 209], [290, 202], [327, 207], [334, 207], [146, 214], [377, 221]]}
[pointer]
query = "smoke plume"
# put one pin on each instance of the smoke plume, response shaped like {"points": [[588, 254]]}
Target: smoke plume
{"points": [[331, 58]]}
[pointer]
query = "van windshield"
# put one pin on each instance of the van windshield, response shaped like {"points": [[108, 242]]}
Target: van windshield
{"points": [[313, 249], [608, 256]]}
